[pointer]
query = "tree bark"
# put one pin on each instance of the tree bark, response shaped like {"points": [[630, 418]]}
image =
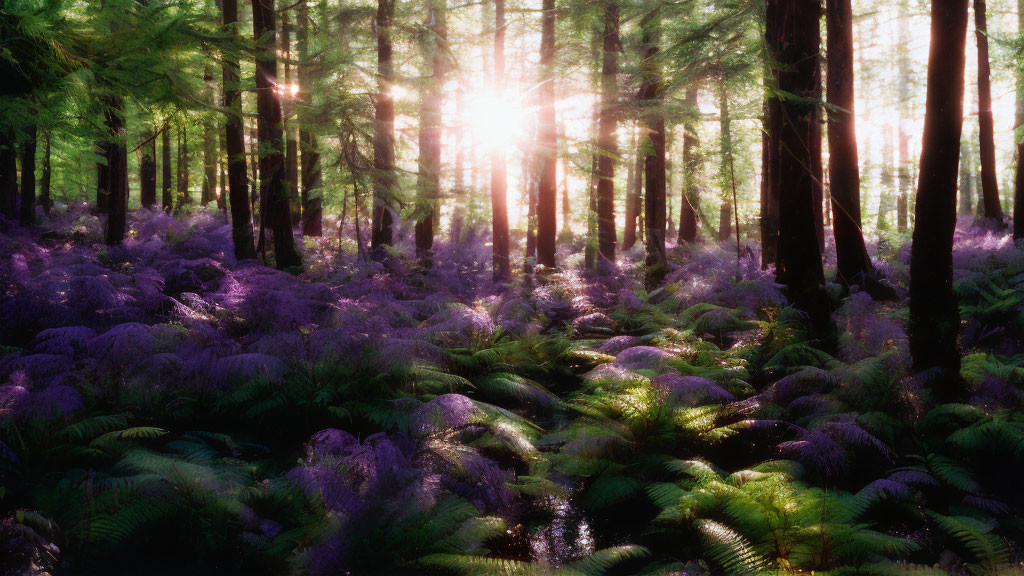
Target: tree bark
{"points": [[116, 173], [691, 169], [967, 180], [607, 126], [383, 136], [312, 195], [147, 173], [854, 265], [234, 144], [459, 190], [634, 181], [794, 39], [903, 93], [726, 171], [428, 179], [44, 184], [934, 317], [287, 109], [28, 178], [274, 184], [102, 180], [651, 93], [184, 198], [209, 145], [989, 179], [500, 261], [8, 176], [166, 184], [547, 132], [1018, 180]]}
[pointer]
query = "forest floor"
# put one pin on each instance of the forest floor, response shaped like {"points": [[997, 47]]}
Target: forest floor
{"points": [[165, 409]]}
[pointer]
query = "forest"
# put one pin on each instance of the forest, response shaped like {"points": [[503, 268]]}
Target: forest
{"points": [[511, 287]]}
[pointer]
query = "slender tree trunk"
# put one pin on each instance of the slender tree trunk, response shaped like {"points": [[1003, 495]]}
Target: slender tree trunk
{"points": [[209, 144], [429, 176], [854, 265], [530, 192], [769, 180], [167, 184], [459, 190], [147, 174], [794, 40], [934, 317], [312, 195], [183, 176], [234, 145], [634, 180], [691, 169], [1018, 123], [28, 178], [275, 207], [989, 181], [222, 175], [653, 147], [967, 183], [903, 93], [117, 172], [287, 109], [8, 176], [500, 262], [102, 180], [726, 176], [384, 136], [547, 133], [44, 184], [607, 126], [566, 212]]}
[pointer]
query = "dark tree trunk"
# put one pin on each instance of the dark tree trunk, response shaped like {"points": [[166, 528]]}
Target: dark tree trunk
{"points": [[28, 178], [903, 94], [8, 177], [234, 145], [854, 265], [656, 261], [459, 190], [794, 39], [428, 179], [566, 212], [530, 191], [116, 173], [383, 136], [291, 163], [934, 317], [44, 184], [222, 175], [691, 167], [634, 181], [184, 198], [166, 185], [500, 262], [1018, 180], [102, 180], [547, 136], [312, 195], [209, 146], [989, 181], [769, 183], [275, 207], [607, 126], [147, 173], [726, 170], [967, 180]]}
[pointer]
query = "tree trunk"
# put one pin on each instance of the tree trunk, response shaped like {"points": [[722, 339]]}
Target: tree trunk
{"points": [[726, 170], [428, 179], [934, 317], [903, 94], [989, 181], [8, 176], [234, 144], [691, 169], [183, 175], [854, 265], [116, 173], [769, 182], [275, 207], [607, 126], [1018, 180], [291, 143], [383, 136], [634, 180], [566, 212], [44, 183], [312, 195], [547, 136], [459, 190], [28, 178], [102, 180], [500, 262], [656, 261], [166, 184], [147, 173], [794, 39], [209, 145], [967, 183], [886, 180]]}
